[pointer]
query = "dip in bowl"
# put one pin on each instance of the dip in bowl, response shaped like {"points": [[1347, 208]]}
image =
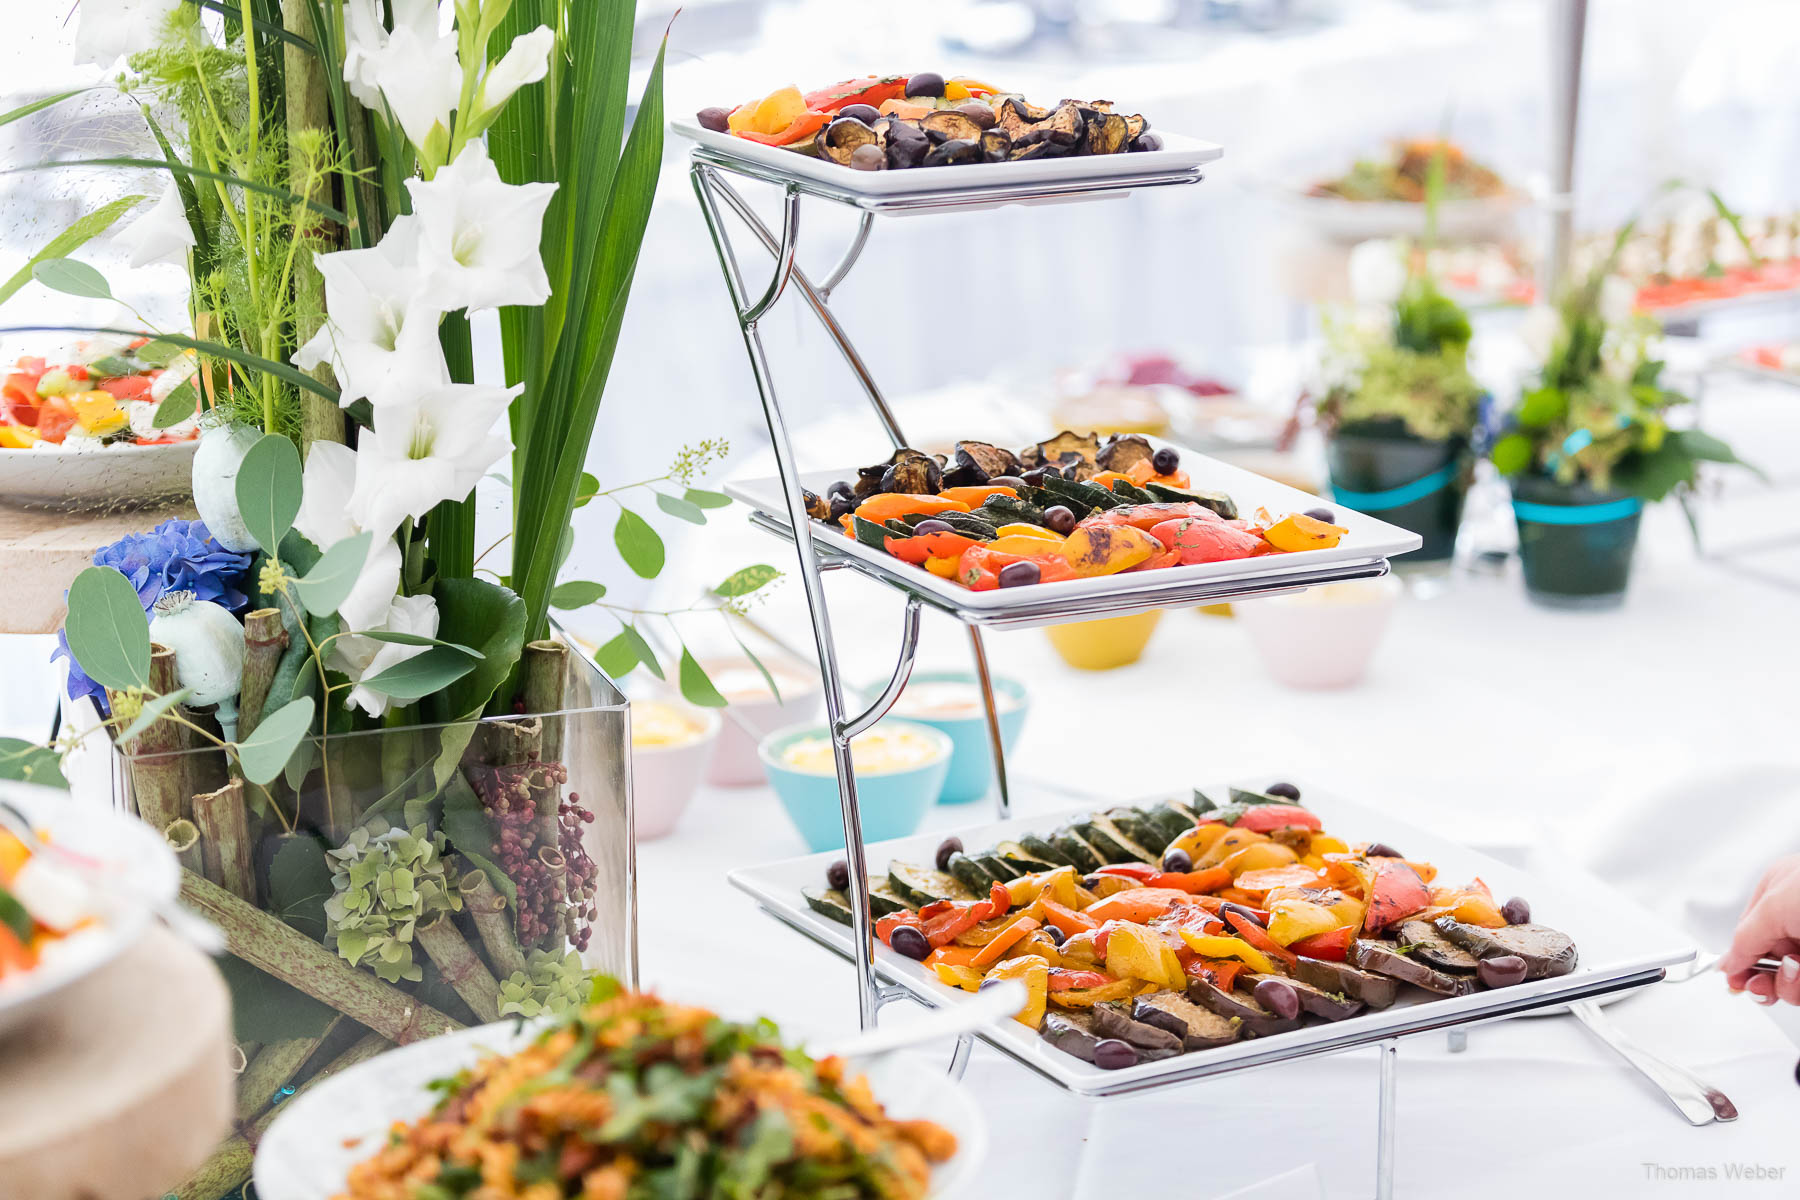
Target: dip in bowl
{"points": [[900, 769]]}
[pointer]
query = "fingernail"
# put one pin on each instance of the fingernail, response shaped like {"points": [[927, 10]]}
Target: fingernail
{"points": [[1790, 968], [1763, 1000]]}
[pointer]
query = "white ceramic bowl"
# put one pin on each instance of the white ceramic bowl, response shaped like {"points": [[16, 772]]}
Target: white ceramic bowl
{"points": [[755, 714], [1323, 637], [665, 778], [138, 871], [107, 477]]}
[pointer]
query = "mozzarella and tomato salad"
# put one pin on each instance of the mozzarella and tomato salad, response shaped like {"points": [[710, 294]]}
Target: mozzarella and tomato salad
{"points": [[109, 400], [42, 906]]}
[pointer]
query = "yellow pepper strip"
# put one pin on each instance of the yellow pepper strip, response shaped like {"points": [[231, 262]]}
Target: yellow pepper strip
{"points": [[1025, 529], [966, 978], [98, 412], [1021, 545], [1217, 946], [1034, 973], [943, 568], [17, 437]]}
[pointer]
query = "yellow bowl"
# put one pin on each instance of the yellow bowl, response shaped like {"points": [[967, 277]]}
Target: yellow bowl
{"points": [[1104, 644]]}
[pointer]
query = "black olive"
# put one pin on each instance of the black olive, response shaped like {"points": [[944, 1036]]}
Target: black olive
{"points": [[1054, 934], [1503, 970], [1286, 791], [924, 527], [868, 114], [1148, 141], [1233, 907], [1279, 997], [1111, 1054], [840, 486], [925, 83], [1177, 860], [910, 942], [1020, 574], [1059, 519], [1517, 911], [947, 847], [1034, 477], [868, 158], [842, 506], [1322, 514], [1011, 481], [837, 875], [979, 112], [1166, 461], [716, 119], [1381, 850], [1091, 882]]}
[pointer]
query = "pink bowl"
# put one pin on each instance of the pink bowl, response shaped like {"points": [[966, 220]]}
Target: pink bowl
{"points": [[665, 778], [1321, 638]]}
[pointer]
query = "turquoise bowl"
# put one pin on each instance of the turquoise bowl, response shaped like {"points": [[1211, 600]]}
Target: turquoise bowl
{"points": [[972, 758], [893, 803]]}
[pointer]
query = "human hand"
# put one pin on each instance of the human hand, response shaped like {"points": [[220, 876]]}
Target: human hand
{"points": [[1769, 928]]}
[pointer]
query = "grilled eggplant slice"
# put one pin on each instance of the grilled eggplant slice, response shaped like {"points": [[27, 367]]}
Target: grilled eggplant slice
{"points": [[1384, 958], [1113, 1019], [1107, 134], [1026, 151], [1422, 940], [1124, 451], [1135, 125], [1253, 1018], [1547, 952], [916, 474], [817, 506], [1198, 1028], [955, 153], [996, 147], [1314, 1000], [907, 144], [1065, 126], [1087, 445], [840, 139], [989, 458], [1376, 991], [1072, 1032], [1017, 118], [948, 125]]}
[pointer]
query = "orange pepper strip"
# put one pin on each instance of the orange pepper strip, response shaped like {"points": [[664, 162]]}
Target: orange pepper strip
{"points": [[1259, 937], [1007, 938], [1134, 904], [956, 956], [973, 496], [1066, 919], [802, 126], [891, 505]]}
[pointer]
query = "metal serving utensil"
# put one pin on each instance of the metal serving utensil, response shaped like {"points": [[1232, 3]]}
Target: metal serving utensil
{"points": [[1698, 1101], [1705, 964]]}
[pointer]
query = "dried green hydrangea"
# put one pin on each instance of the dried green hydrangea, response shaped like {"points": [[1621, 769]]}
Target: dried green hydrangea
{"points": [[386, 882], [550, 983]]}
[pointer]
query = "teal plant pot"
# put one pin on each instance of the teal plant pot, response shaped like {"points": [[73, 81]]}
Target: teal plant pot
{"points": [[1576, 543], [893, 803], [972, 757], [1397, 478]]}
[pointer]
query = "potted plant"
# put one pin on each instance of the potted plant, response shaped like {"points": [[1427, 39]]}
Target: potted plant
{"points": [[389, 779], [1590, 442]]}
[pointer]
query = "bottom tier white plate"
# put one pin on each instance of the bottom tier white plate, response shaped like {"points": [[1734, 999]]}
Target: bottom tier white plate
{"points": [[309, 1150], [1621, 946]]}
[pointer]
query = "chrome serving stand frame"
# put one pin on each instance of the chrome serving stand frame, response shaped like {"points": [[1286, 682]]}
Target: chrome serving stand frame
{"points": [[708, 168]]}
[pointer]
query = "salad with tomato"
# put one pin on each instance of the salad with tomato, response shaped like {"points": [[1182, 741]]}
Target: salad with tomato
{"points": [[43, 906], [137, 396]]}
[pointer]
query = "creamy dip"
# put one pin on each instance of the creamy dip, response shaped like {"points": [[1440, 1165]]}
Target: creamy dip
{"points": [[742, 683], [877, 752], [948, 700], [654, 724]]}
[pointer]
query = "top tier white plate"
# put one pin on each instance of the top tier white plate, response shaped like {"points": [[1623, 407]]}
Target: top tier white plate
{"points": [[1179, 161]]}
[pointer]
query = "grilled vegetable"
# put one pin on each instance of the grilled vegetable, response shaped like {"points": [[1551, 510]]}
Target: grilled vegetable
{"points": [[1385, 959], [1087, 445], [1198, 1028], [828, 903], [1107, 133], [954, 153], [1315, 1001], [1219, 502], [1422, 940], [1547, 952], [948, 125], [842, 138], [1072, 1033], [1252, 1018], [1376, 991], [1114, 1020], [922, 885]]}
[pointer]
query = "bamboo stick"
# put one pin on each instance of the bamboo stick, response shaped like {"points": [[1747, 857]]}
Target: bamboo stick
{"points": [[225, 848], [546, 665], [264, 640], [460, 966], [159, 769], [183, 837], [493, 922], [308, 109], [557, 926], [267, 942], [271, 1067], [229, 1167]]}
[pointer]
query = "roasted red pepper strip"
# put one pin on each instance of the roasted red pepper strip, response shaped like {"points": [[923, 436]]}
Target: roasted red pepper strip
{"points": [[1261, 818], [1192, 882], [1221, 973], [885, 926], [921, 546], [803, 126], [1259, 937], [979, 567], [1064, 918], [1332, 946], [870, 90], [1064, 979]]}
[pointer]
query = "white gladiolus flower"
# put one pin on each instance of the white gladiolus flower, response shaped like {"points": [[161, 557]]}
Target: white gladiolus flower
{"points": [[381, 335], [435, 448], [363, 658], [478, 239], [1377, 272], [1617, 300], [162, 233], [414, 68], [324, 520], [115, 29], [1539, 329], [527, 60]]}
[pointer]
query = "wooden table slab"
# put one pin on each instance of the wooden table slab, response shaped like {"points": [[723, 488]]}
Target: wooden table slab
{"points": [[42, 550]]}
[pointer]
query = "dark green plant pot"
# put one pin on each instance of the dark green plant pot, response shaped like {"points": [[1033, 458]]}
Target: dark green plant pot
{"points": [[1415, 484], [1575, 543]]}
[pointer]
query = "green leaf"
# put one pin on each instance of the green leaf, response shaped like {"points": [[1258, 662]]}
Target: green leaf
{"points": [[576, 593], [231, 354], [74, 278], [417, 639], [677, 507], [107, 630], [325, 588], [300, 884], [110, 367], [28, 762], [1512, 453], [1697, 443], [742, 583], [147, 716], [266, 751], [265, 1010], [617, 657], [422, 674], [268, 490], [696, 685], [1543, 407], [768, 678], [701, 498], [177, 406], [476, 612], [586, 490], [640, 646], [638, 544], [81, 231], [183, 170], [156, 354], [25, 110]]}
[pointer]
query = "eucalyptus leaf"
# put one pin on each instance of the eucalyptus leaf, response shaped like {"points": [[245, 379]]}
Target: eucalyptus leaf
{"points": [[176, 407], [641, 648], [325, 588], [28, 762], [72, 277], [110, 366], [147, 716], [696, 686], [576, 593], [80, 231], [109, 636], [768, 678], [156, 354], [586, 490], [268, 490], [675, 506], [617, 657], [265, 1010], [701, 498], [638, 544], [266, 751], [742, 583], [300, 884], [422, 674]]}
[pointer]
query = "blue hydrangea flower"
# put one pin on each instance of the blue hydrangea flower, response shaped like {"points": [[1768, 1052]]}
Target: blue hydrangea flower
{"points": [[175, 556]]}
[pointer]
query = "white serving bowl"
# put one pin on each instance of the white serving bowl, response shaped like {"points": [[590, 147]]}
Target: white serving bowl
{"points": [[1322, 637], [755, 713], [45, 477], [665, 778]]}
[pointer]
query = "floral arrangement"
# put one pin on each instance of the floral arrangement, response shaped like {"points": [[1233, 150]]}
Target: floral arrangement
{"points": [[349, 725]]}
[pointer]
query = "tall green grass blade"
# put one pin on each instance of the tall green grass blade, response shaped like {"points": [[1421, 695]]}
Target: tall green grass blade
{"points": [[80, 232], [37, 106], [178, 168]]}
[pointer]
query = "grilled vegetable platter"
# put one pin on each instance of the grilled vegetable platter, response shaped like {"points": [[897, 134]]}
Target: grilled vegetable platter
{"points": [[1142, 933], [1070, 507], [899, 122]]}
